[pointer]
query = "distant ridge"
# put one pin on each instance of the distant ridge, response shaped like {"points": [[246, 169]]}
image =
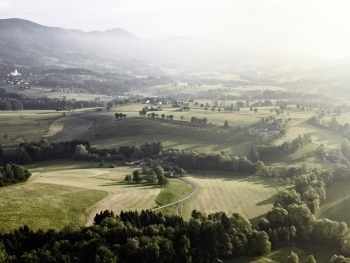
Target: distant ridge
{"points": [[18, 23], [27, 43]]}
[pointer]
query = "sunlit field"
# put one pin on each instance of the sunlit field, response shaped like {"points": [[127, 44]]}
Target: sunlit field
{"points": [[64, 193], [337, 204], [251, 196]]}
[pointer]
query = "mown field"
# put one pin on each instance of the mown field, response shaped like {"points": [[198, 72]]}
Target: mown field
{"points": [[251, 196], [337, 204], [61, 193]]}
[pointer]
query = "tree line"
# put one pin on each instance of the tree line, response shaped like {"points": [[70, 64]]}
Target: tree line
{"points": [[42, 150], [139, 237], [264, 152], [212, 162]]}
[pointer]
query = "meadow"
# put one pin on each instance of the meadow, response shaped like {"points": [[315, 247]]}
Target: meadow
{"points": [[18, 126], [337, 204], [69, 193], [252, 196], [62, 193]]}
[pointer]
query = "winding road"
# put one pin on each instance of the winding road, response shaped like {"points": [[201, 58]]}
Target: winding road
{"points": [[180, 201]]}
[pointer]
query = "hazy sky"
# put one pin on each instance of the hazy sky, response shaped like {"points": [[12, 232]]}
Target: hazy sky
{"points": [[315, 27]]}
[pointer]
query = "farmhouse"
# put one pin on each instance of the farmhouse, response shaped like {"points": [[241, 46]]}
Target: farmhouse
{"points": [[331, 157], [275, 127]]}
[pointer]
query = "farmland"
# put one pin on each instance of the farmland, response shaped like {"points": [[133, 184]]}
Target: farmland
{"points": [[65, 193]]}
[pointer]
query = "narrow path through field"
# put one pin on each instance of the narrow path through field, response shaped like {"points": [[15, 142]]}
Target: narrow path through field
{"points": [[180, 201]]}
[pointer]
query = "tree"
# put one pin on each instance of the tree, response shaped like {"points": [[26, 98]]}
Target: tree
{"points": [[205, 120], [158, 170], [162, 180], [184, 250], [339, 259], [2, 153], [226, 124], [80, 151], [136, 176], [152, 178], [293, 258], [127, 178], [261, 169], [310, 259]]}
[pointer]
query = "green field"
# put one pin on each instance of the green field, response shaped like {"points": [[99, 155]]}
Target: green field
{"points": [[68, 193], [337, 204], [62, 193], [19, 126], [251, 196], [40, 92], [321, 253]]}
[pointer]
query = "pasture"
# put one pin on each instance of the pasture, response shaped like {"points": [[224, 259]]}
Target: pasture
{"points": [[19, 126]]}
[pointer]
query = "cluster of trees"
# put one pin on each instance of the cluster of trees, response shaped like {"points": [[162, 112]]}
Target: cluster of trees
{"points": [[41, 150], [333, 124], [14, 101], [213, 162], [13, 173], [10, 104], [292, 217], [152, 176], [120, 116], [139, 237], [96, 83], [200, 121], [263, 152], [280, 171]]}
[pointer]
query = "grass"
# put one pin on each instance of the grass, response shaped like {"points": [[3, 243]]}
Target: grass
{"points": [[172, 192], [337, 204], [251, 196], [39, 92], [22, 126], [67, 192], [321, 253], [45, 206]]}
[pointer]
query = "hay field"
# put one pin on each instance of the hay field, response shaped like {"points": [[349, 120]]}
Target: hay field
{"points": [[251, 196], [64, 193]]}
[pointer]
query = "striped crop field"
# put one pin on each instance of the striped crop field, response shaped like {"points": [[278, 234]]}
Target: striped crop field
{"points": [[251, 196]]}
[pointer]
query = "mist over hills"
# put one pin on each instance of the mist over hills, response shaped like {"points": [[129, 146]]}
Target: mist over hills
{"points": [[28, 44], [25, 42]]}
